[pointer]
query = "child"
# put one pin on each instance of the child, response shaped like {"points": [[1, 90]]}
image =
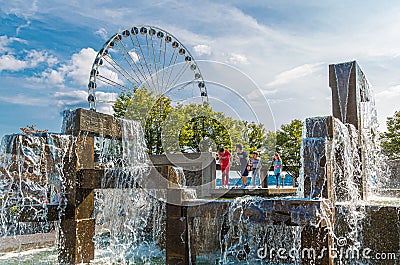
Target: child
{"points": [[225, 161], [255, 168], [277, 162]]}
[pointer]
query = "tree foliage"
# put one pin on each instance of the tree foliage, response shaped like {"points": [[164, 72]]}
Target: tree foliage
{"points": [[256, 138], [152, 111], [269, 146], [186, 128], [288, 141], [390, 140]]}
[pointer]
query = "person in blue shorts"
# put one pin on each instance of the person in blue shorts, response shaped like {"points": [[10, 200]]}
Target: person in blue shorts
{"points": [[277, 163]]}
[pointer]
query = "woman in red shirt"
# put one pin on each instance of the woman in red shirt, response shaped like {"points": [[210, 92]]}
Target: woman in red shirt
{"points": [[225, 162]]}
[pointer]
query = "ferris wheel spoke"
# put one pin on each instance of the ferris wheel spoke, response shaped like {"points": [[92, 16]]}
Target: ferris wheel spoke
{"points": [[143, 72], [144, 57], [159, 90], [125, 51], [151, 68], [172, 66], [179, 75], [180, 89], [112, 83], [159, 64], [119, 69], [163, 67]]}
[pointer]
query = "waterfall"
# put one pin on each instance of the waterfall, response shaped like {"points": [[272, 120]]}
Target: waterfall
{"points": [[342, 73], [31, 183], [130, 219], [241, 234]]}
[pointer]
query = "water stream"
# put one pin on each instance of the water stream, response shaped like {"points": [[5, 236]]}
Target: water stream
{"points": [[130, 221]]}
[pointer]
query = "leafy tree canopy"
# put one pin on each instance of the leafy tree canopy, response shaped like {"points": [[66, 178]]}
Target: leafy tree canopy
{"points": [[390, 140], [186, 128], [288, 141]]}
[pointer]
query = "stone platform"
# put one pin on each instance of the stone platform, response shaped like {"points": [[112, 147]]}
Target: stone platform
{"points": [[262, 192], [25, 242]]}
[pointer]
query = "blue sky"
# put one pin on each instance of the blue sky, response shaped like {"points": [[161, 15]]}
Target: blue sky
{"points": [[47, 48]]}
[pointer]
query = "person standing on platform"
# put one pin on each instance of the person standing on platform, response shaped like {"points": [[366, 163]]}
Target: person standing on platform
{"points": [[244, 164], [256, 166], [225, 162], [277, 163]]}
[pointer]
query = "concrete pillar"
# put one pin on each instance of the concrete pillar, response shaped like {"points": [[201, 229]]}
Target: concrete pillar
{"points": [[353, 103], [318, 158], [179, 250], [78, 224]]}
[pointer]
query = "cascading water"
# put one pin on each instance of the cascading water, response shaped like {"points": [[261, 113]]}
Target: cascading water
{"points": [[342, 72], [375, 165], [31, 181], [130, 218], [252, 230]]}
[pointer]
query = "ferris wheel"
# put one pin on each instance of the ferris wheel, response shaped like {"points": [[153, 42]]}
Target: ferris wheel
{"points": [[145, 57]]}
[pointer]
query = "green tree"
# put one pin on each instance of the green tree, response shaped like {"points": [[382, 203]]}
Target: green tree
{"points": [[186, 128], [142, 105], [269, 146], [288, 141], [255, 136], [203, 133], [199, 128], [154, 124], [390, 140]]}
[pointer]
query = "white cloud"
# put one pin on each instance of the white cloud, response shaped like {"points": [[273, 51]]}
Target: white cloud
{"points": [[295, 73], [77, 68], [106, 96], [105, 108], [22, 9], [24, 59], [80, 65], [387, 102], [135, 57], [32, 59], [5, 41], [78, 97], [53, 77], [268, 92], [238, 59], [102, 32], [202, 49], [389, 93], [9, 62], [72, 97], [280, 100], [20, 99], [36, 57]]}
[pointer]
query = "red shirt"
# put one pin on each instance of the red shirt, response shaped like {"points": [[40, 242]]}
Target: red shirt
{"points": [[224, 159]]}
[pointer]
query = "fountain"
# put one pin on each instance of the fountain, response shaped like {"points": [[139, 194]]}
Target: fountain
{"points": [[94, 192]]}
